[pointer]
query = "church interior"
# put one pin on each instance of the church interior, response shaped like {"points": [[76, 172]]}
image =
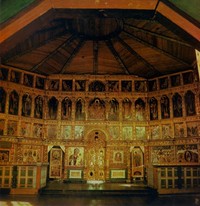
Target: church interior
{"points": [[99, 91]]}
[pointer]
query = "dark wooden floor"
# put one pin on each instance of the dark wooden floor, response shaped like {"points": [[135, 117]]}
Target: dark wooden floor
{"points": [[96, 188], [58, 193], [56, 200]]}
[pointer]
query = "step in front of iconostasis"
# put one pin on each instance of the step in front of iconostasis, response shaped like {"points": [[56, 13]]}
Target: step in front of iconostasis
{"points": [[101, 189]]}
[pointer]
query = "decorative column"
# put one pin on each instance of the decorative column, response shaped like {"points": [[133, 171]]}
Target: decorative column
{"points": [[183, 104], [159, 107], [86, 105]]}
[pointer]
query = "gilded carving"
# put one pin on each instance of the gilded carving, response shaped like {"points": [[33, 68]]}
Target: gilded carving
{"points": [[193, 129], [25, 129], [4, 156], [187, 153], [163, 155], [155, 132], [90, 118], [179, 130], [12, 128]]}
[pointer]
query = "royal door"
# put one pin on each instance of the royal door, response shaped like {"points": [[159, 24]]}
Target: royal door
{"points": [[95, 156]]}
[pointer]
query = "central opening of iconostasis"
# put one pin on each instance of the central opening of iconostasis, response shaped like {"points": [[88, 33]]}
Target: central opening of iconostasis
{"points": [[95, 154]]}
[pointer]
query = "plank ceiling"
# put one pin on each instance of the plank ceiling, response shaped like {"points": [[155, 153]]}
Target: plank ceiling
{"points": [[63, 38]]}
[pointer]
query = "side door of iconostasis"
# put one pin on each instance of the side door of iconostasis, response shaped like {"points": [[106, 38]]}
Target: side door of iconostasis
{"points": [[95, 156], [55, 163], [137, 163]]}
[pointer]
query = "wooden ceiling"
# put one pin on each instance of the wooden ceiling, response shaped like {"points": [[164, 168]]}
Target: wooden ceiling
{"points": [[140, 42]]}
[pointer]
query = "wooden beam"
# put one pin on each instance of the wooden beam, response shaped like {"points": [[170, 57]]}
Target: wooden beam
{"points": [[15, 53], [156, 48], [117, 56], [158, 35], [179, 20], [75, 51], [147, 64], [70, 39], [105, 4], [31, 14], [28, 16]]}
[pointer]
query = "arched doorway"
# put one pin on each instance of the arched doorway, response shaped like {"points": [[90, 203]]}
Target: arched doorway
{"points": [[95, 155]]}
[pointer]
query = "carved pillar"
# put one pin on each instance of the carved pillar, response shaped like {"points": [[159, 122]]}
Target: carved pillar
{"points": [[86, 106], [183, 103], [171, 113], [73, 112], [147, 108], [33, 96], [59, 112], [120, 101], [133, 108], [45, 106], [170, 96], [21, 101], [159, 107], [8, 91]]}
